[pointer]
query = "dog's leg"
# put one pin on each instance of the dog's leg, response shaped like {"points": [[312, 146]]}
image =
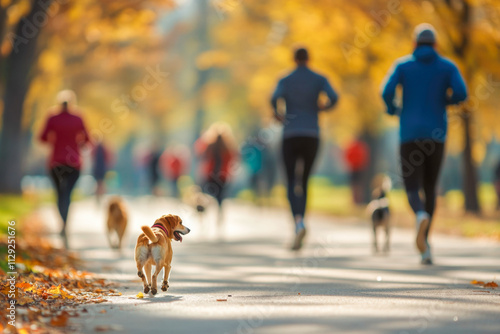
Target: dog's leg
{"points": [[140, 273], [375, 243], [166, 275], [109, 237], [120, 234], [115, 243], [147, 268], [154, 285], [387, 246]]}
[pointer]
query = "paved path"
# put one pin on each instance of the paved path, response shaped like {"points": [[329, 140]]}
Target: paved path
{"points": [[333, 285]]}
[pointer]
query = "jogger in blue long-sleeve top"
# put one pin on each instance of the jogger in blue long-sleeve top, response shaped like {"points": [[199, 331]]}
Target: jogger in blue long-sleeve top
{"points": [[300, 91], [426, 79]]}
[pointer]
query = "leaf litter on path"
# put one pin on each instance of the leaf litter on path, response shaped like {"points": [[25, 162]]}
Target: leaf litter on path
{"points": [[49, 288], [490, 285]]}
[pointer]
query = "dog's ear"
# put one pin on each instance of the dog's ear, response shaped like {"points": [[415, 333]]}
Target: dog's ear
{"points": [[171, 221], [162, 221]]}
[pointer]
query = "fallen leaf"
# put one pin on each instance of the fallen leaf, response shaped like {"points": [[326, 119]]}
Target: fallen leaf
{"points": [[485, 291], [140, 295], [60, 320], [491, 285], [98, 301], [25, 300], [102, 311], [474, 282], [102, 328], [106, 328], [222, 300], [23, 285]]}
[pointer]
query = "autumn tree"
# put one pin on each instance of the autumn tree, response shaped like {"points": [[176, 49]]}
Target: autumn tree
{"points": [[50, 45], [354, 43], [18, 52], [469, 26]]}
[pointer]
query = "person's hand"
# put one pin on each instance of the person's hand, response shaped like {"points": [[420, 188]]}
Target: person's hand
{"points": [[51, 138], [280, 118], [322, 107]]}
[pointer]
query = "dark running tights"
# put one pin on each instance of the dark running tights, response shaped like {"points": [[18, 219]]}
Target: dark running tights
{"points": [[421, 162], [64, 178], [297, 149], [215, 187]]}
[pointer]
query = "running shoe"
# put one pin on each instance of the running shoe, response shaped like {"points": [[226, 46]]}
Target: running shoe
{"points": [[300, 233], [426, 256]]}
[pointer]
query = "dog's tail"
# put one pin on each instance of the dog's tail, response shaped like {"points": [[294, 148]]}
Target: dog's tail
{"points": [[149, 233]]}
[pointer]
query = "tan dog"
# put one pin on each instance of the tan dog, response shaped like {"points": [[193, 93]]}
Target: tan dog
{"points": [[154, 247], [199, 201], [117, 221]]}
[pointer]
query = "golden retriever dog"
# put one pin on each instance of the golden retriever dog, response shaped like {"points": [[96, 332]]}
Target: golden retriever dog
{"points": [[117, 221], [154, 247]]}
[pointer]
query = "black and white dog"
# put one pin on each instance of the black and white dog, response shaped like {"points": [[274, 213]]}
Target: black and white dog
{"points": [[379, 212]]}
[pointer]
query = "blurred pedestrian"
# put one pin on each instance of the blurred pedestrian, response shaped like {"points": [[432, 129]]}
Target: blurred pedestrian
{"points": [[217, 151], [357, 157], [65, 133], [174, 163], [426, 79], [252, 156], [102, 161], [300, 91], [496, 183], [153, 163]]}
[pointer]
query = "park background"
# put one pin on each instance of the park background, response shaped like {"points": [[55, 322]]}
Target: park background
{"points": [[154, 74], [219, 61]]}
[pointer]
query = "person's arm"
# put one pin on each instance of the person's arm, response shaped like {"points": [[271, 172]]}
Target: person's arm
{"points": [[279, 92], [83, 136], [47, 131], [331, 94], [457, 84], [389, 92]]}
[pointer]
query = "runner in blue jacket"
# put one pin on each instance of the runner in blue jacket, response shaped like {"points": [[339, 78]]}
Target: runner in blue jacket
{"points": [[426, 79]]}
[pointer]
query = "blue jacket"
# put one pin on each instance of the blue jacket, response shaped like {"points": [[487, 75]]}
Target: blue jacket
{"points": [[425, 78], [300, 90]]}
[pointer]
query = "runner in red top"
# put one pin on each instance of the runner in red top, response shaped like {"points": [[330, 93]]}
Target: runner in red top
{"points": [[217, 151], [357, 157], [174, 163], [66, 133]]}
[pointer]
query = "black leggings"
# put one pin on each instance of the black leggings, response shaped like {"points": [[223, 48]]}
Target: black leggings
{"points": [[64, 178], [421, 162], [215, 187], [296, 149]]}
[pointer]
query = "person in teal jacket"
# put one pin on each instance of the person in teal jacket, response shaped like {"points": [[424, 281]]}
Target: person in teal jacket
{"points": [[426, 80]]}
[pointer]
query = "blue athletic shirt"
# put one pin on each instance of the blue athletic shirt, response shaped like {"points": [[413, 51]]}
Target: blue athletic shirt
{"points": [[300, 90], [425, 78]]}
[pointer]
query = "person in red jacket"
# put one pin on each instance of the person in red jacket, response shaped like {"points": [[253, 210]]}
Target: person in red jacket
{"points": [[174, 163], [357, 157], [65, 133], [217, 151]]}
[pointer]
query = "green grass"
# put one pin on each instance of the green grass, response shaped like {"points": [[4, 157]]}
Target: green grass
{"points": [[13, 208]]}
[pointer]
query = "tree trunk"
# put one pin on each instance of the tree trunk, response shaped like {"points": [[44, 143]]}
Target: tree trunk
{"points": [[463, 13], [17, 81], [470, 170]]}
